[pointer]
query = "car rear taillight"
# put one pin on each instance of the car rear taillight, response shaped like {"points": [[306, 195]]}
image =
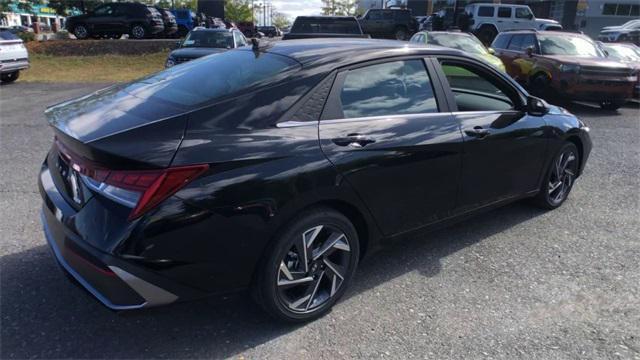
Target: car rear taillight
{"points": [[141, 190]]}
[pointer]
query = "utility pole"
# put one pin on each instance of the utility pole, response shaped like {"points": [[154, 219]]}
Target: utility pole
{"points": [[253, 10]]}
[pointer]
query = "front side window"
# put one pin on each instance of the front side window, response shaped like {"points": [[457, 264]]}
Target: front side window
{"points": [[375, 15], [504, 12], [528, 41], [393, 88], [523, 13], [486, 11], [516, 43], [475, 90]]}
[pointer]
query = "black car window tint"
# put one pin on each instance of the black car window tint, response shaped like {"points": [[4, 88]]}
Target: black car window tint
{"points": [[399, 87], [476, 90], [516, 43], [501, 41], [504, 12], [528, 41], [486, 11]]}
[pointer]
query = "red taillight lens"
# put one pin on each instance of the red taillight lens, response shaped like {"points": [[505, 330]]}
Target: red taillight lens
{"points": [[161, 185], [143, 189]]}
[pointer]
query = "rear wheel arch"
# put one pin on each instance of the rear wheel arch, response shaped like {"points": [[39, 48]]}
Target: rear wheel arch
{"points": [[575, 140]]}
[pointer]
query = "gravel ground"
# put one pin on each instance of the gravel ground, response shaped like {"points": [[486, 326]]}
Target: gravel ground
{"points": [[513, 283]]}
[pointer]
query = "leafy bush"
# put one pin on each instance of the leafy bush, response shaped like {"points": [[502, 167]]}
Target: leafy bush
{"points": [[26, 36]]}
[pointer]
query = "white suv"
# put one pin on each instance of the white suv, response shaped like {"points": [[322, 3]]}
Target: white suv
{"points": [[13, 56], [487, 20]]}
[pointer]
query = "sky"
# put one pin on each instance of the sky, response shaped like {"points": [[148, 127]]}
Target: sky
{"points": [[293, 8]]}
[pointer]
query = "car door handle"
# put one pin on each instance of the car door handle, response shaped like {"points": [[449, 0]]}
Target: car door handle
{"points": [[477, 132], [353, 140]]}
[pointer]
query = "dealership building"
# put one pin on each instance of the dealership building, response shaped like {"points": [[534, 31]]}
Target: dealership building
{"points": [[41, 13]]}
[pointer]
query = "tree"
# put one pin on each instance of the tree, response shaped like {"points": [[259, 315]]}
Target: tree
{"points": [[238, 10], [280, 20], [339, 7]]}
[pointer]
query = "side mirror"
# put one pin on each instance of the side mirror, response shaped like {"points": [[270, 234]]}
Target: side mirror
{"points": [[536, 106], [530, 16], [491, 51], [606, 53], [178, 43], [530, 51]]}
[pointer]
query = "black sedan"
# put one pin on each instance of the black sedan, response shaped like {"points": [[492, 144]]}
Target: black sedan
{"points": [[277, 168], [202, 41]]}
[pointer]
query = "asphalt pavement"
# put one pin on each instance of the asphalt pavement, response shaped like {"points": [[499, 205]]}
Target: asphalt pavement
{"points": [[517, 282]]}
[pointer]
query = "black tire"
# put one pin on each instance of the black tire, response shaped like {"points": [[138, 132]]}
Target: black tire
{"points": [[552, 195], [138, 31], [486, 34], [401, 33], [10, 77], [81, 32], [115, 36], [273, 292], [610, 105]]}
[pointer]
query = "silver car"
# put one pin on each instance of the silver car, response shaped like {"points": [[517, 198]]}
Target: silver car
{"points": [[13, 57]]}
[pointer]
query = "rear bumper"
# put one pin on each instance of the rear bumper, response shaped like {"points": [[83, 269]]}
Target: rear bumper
{"points": [[13, 66], [117, 283]]}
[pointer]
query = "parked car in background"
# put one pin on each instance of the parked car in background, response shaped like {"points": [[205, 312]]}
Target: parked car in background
{"points": [[325, 27], [169, 21], [270, 31], [571, 66], [396, 24], [628, 54], [13, 56], [276, 169], [114, 19], [461, 41], [248, 28], [186, 20], [16, 29], [487, 20], [622, 33], [201, 42]]}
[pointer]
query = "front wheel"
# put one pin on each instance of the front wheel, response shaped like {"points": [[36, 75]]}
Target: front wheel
{"points": [[560, 177], [81, 32], [138, 32], [309, 266], [610, 105], [401, 34], [10, 77]]}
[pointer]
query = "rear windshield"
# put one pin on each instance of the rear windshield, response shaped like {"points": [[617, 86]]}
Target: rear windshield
{"points": [[212, 77], [326, 26], [6, 35]]}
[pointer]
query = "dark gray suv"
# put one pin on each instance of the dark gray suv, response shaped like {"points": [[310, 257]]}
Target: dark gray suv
{"points": [[389, 23]]}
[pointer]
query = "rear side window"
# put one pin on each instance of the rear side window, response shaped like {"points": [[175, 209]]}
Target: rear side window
{"points": [[504, 12], [486, 11], [212, 77], [501, 42], [393, 88]]}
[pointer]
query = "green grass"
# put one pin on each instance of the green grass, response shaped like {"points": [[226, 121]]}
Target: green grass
{"points": [[106, 68]]}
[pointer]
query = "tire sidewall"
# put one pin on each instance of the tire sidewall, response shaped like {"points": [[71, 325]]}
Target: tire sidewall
{"points": [[86, 32], [10, 77], [283, 242], [544, 198]]}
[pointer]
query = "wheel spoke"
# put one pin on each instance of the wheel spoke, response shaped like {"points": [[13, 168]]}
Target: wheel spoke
{"points": [[336, 241], [335, 269], [315, 290]]}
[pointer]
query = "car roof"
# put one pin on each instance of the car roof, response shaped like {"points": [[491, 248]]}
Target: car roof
{"points": [[213, 29], [326, 17], [332, 50], [446, 33]]}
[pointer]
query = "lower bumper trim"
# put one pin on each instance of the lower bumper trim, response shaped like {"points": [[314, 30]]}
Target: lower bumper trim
{"points": [[79, 278]]}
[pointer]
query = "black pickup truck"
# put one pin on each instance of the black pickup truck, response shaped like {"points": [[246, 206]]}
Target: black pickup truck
{"points": [[305, 27]]}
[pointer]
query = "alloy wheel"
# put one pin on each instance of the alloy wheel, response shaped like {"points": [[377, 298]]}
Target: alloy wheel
{"points": [[562, 176], [137, 32], [313, 269], [81, 32]]}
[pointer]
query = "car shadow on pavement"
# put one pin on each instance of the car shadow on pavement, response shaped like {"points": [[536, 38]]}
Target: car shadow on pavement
{"points": [[44, 315]]}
